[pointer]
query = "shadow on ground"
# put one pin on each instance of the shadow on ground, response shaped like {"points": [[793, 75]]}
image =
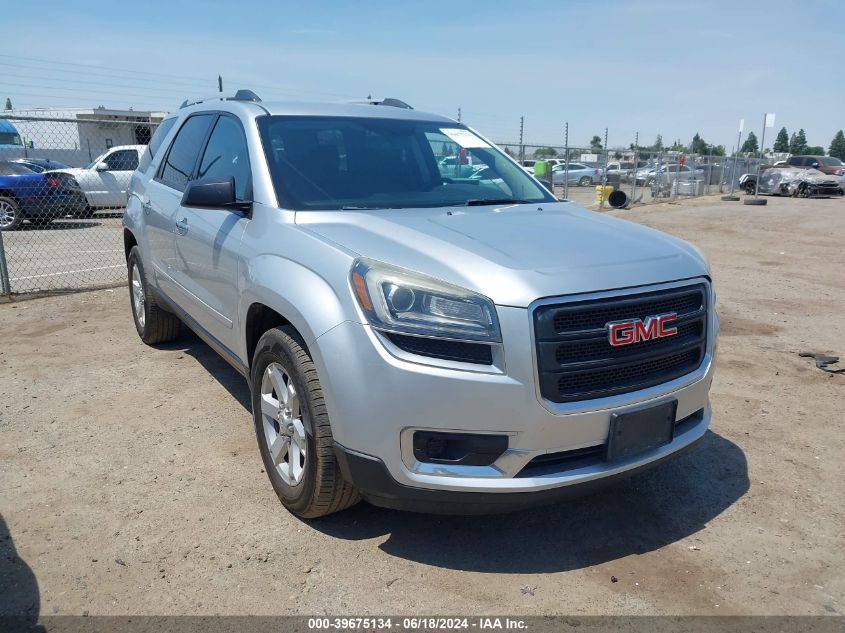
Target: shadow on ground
{"points": [[19, 594], [638, 515], [214, 364]]}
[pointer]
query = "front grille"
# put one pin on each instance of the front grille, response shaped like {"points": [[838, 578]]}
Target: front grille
{"points": [[577, 362], [476, 353]]}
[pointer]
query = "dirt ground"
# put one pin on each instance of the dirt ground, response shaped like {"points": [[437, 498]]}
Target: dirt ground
{"points": [[130, 481]]}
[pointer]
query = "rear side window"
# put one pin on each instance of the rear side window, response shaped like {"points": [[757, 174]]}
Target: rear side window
{"points": [[122, 160], [226, 155], [14, 169], [177, 168]]}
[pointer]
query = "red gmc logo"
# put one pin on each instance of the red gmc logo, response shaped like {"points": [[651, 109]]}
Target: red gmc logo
{"points": [[635, 331]]}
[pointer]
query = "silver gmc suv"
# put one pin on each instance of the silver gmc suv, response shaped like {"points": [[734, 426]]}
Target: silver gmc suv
{"points": [[420, 322]]}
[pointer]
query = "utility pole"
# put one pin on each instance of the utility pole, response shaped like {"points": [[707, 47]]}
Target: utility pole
{"points": [[521, 146], [219, 83]]}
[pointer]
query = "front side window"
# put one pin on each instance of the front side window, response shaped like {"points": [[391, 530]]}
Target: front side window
{"points": [[830, 161], [355, 163], [10, 138], [177, 168], [226, 155]]}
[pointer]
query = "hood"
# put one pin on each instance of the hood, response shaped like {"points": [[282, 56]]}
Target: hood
{"points": [[513, 254]]}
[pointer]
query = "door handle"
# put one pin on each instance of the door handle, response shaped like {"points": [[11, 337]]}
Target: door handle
{"points": [[182, 226]]}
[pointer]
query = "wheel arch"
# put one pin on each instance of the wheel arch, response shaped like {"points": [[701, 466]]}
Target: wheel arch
{"points": [[301, 299], [129, 241]]}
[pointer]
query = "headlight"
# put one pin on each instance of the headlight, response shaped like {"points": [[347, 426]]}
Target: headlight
{"points": [[399, 300]]}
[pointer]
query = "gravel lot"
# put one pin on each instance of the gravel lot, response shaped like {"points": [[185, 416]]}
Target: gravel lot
{"points": [[130, 481]]}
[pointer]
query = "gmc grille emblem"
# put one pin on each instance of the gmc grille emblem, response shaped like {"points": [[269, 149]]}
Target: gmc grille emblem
{"points": [[637, 330]]}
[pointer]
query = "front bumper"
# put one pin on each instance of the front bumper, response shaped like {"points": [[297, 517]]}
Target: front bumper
{"points": [[377, 397]]}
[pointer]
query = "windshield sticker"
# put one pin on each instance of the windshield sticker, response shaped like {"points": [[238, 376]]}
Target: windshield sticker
{"points": [[464, 138]]}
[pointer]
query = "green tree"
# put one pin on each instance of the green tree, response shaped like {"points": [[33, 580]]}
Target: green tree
{"points": [[8, 103], [798, 143], [750, 146], [837, 146], [545, 152], [782, 141], [717, 150], [814, 150], [658, 142], [700, 146], [595, 144]]}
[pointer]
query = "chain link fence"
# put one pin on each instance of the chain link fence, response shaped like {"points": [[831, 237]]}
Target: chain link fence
{"points": [[64, 180], [63, 184], [588, 175]]}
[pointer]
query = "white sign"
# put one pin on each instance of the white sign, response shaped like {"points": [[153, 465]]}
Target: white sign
{"points": [[741, 125], [464, 138], [770, 119]]}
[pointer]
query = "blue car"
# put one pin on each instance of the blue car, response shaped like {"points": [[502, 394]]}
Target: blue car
{"points": [[38, 198]]}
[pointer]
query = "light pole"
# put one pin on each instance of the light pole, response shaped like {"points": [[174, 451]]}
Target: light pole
{"points": [[768, 121], [731, 197]]}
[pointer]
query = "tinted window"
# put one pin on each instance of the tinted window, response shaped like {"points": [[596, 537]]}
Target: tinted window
{"points": [[348, 162], [793, 161], [122, 160], [160, 133], [13, 169], [178, 167], [226, 155]]}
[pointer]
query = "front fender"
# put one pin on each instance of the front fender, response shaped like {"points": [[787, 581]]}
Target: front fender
{"points": [[311, 303]]}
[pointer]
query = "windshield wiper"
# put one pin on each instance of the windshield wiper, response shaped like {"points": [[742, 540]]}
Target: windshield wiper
{"points": [[478, 202], [348, 207]]}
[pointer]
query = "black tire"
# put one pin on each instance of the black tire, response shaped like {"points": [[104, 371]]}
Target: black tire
{"points": [[159, 325], [84, 214], [755, 202], [322, 490], [10, 214], [585, 181]]}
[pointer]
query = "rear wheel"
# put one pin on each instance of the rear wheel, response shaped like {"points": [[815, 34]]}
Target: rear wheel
{"points": [[585, 181], [153, 323], [10, 214], [293, 429]]}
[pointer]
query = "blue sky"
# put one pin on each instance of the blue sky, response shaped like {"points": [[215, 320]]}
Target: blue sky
{"points": [[651, 66]]}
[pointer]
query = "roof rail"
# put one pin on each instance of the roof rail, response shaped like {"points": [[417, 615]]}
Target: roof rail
{"points": [[240, 95], [387, 101]]}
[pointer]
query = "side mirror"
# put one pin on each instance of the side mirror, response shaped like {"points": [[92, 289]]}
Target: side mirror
{"points": [[814, 165], [101, 166], [214, 193]]}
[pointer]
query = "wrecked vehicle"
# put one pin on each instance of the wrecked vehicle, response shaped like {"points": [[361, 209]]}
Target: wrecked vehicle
{"points": [[790, 181]]}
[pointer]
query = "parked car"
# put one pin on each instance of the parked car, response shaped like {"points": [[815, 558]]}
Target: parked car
{"points": [[826, 164], [106, 179], [422, 343], [796, 182], [578, 173], [667, 174], [39, 165], [38, 198]]}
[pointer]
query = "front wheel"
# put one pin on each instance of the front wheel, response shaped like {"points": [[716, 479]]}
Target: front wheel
{"points": [[585, 181], [10, 214], [293, 429], [153, 323]]}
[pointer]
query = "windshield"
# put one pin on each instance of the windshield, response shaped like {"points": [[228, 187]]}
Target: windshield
{"points": [[364, 163], [830, 161], [10, 138]]}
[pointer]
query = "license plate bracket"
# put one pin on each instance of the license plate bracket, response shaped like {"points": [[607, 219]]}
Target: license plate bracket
{"points": [[635, 432]]}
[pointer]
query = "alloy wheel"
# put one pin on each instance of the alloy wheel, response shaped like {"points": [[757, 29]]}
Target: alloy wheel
{"points": [[284, 431], [7, 214], [138, 298]]}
